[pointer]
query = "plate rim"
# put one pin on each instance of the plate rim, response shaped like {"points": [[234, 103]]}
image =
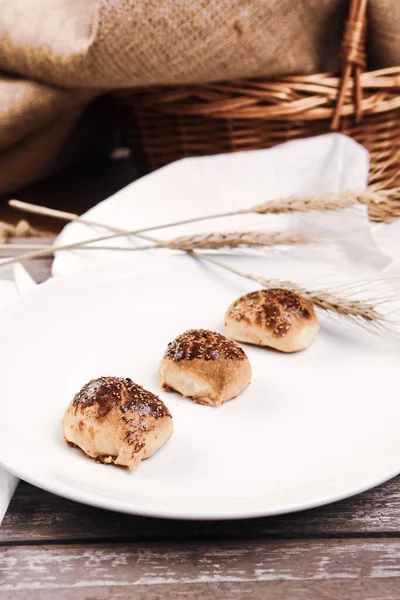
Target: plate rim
{"points": [[109, 505], [74, 493]]}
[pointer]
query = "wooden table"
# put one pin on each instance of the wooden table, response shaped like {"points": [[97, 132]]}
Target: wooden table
{"points": [[55, 548]]}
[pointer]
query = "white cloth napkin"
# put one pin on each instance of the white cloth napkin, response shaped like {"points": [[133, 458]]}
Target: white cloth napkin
{"points": [[387, 238], [214, 184], [8, 482], [194, 187]]}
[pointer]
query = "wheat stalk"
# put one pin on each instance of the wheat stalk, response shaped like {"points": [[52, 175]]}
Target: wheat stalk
{"points": [[206, 241], [331, 202], [248, 239], [337, 301], [117, 232], [381, 202], [361, 312], [328, 301], [286, 205], [383, 205]]}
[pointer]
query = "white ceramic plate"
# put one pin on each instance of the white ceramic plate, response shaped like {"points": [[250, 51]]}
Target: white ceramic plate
{"points": [[311, 428]]}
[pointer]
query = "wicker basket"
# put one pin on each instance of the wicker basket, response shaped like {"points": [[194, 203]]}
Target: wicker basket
{"points": [[161, 125]]}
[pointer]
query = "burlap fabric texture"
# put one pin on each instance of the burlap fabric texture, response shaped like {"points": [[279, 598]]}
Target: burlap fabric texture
{"points": [[58, 55]]}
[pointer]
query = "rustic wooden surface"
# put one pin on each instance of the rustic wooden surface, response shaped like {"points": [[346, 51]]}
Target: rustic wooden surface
{"points": [[51, 547]]}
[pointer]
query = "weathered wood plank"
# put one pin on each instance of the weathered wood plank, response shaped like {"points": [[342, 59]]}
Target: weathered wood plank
{"points": [[277, 590], [353, 589], [40, 269], [26, 241], [283, 569], [37, 516]]}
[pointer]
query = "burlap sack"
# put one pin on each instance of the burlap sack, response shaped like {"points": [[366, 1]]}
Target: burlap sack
{"points": [[68, 51], [35, 121]]}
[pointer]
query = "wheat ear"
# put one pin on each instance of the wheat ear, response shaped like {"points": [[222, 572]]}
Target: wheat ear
{"points": [[338, 301], [248, 239], [364, 313]]}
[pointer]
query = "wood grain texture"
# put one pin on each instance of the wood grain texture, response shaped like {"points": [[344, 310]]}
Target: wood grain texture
{"points": [[11, 251], [40, 268], [54, 548], [353, 589], [37, 516], [291, 569]]}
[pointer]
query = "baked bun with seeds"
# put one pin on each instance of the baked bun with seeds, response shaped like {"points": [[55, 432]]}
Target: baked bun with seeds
{"points": [[205, 366], [277, 318], [116, 421]]}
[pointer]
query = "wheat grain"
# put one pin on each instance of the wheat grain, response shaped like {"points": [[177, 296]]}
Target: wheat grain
{"points": [[324, 202], [362, 312], [249, 239]]}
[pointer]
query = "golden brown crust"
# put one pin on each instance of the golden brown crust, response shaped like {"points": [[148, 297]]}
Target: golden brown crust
{"points": [[274, 309], [109, 392], [203, 344], [114, 420], [205, 366], [277, 318]]}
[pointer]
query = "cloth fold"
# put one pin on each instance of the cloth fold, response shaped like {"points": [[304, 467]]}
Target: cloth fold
{"points": [[214, 184], [36, 120], [66, 52]]}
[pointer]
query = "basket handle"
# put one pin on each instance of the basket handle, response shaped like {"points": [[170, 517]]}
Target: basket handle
{"points": [[353, 58]]}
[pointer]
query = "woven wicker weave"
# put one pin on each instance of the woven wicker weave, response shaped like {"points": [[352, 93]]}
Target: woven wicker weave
{"points": [[162, 125]]}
